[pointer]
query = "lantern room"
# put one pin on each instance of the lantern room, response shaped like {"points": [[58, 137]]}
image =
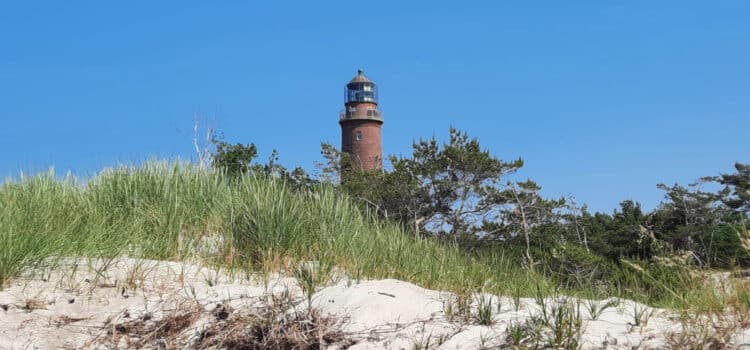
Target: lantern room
{"points": [[361, 90]]}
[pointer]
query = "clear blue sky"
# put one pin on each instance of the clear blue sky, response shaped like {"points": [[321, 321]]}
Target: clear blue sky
{"points": [[602, 99]]}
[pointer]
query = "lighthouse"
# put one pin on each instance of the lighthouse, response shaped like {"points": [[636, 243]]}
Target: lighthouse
{"points": [[361, 124]]}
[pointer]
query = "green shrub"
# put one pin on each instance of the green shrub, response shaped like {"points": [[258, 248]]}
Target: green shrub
{"points": [[723, 247], [575, 267]]}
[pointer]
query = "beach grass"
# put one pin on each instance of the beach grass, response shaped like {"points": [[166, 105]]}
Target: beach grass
{"points": [[172, 210]]}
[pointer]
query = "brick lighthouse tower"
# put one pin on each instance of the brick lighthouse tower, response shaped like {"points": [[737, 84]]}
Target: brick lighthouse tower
{"points": [[361, 123]]}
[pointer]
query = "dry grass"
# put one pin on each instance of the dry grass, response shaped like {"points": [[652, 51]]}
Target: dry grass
{"points": [[146, 332], [714, 329], [32, 304], [66, 320], [274, 326], [715, 326], [702, 332]]}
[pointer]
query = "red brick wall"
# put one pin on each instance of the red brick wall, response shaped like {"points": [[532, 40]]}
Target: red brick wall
{"points": [[367, 153], [363, 105]]}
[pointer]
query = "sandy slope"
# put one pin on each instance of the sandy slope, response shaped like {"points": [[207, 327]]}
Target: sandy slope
{"points": [[77, 304]]}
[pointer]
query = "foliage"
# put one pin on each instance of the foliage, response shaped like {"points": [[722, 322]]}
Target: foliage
{"points": [[457, 190], [234, 159], [454, 191], [441, 189], [575, 267], [165, 211], [330, 169], [619, 235], [456, 181], [694, 221], [523, 210], [737, 192], [558, 325]]}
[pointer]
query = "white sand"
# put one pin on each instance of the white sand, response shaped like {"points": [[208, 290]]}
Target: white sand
{"points": [[69, 306]]}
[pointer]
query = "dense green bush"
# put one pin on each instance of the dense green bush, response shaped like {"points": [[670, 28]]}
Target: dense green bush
{"points": [[724, 248], [575, 267]]}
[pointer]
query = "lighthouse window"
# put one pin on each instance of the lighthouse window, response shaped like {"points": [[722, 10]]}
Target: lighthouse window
{"points": [[359, 135]]}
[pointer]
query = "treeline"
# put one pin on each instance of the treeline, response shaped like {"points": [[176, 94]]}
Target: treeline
{"points": [[460, 193]]}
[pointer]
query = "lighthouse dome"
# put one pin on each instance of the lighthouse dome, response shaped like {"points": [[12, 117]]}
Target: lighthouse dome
{"points": [[360, 78]]}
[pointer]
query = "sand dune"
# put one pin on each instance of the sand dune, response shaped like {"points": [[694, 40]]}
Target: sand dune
{"points": [[95, 304]]}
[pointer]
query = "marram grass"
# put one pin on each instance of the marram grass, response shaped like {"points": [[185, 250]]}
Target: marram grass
{"points": [[158, 210]]}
